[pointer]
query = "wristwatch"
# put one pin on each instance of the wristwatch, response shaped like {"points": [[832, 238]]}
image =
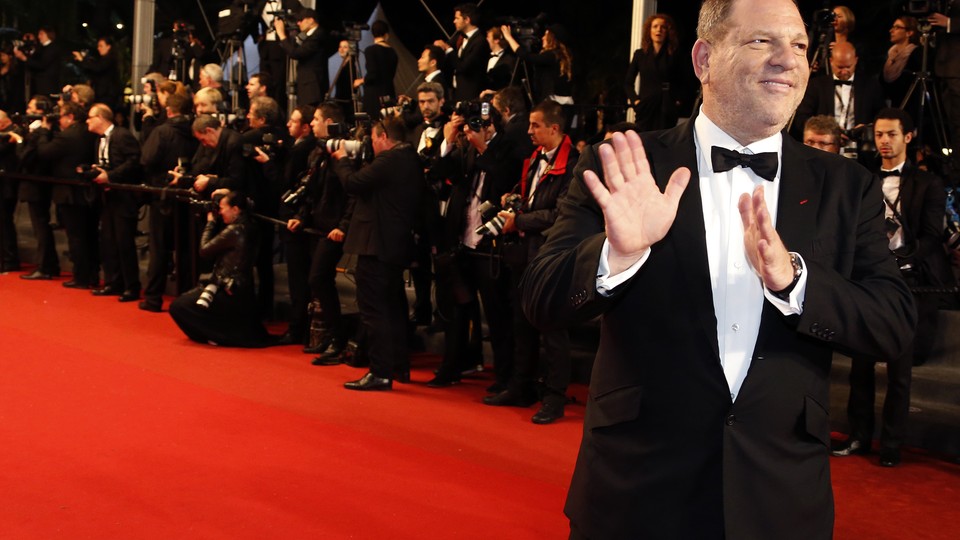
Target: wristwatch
{"points": [[784, 294]]}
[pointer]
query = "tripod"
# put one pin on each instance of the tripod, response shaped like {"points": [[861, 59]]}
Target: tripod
{"points": [[525, 80], [928, 93], [235, 84], [350, 63]]}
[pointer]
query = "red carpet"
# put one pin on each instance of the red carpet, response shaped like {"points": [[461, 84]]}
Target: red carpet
{"points": [[114, 425]]}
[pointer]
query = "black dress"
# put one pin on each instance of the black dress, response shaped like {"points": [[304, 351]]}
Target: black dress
{"points": [[381, 66], [659, 86], [547, 78], [230, 319]]}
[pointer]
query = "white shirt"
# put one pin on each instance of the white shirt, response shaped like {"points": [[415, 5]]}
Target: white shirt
{"points": [[738, 293], [494, 58], [891, 194], [542, 167], [104, 152], [429, 77]]}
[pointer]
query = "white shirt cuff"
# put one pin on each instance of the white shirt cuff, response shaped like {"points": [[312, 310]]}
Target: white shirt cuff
{"points": [[605, 282], [794, 304]]}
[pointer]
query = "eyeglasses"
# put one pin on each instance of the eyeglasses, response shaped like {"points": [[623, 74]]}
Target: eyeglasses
{"points": [[898, 27]]}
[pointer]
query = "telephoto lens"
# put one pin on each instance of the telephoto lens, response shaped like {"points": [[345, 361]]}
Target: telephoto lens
{"points": [[206, 297]]}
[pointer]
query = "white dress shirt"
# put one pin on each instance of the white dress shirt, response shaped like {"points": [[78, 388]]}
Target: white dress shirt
{"points": [[738, 292]]}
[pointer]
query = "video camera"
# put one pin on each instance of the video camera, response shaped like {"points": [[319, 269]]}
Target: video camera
{"points": [[921, 9], [489, 214], [181, 40], [527, 32], [351, 32], [476, 114], [268, 145]]}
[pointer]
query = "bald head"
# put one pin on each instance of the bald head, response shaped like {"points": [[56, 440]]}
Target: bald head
{"points": [[843, 60]]}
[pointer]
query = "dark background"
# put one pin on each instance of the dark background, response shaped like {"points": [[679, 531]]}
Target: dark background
{"points": [[600, 31]]}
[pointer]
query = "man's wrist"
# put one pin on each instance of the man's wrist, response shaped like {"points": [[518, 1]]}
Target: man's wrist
{"points": [[797, 264]]}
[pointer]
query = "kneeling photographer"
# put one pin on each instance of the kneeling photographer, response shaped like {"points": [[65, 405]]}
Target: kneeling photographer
{"points": [[221, 310], [546, 177], [473, 159]]}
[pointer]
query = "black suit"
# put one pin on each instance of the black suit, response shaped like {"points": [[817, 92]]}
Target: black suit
{"points": [[9, 255], [43, 67], [387, 193], [820, 99], [469, 67], [118, 222], [37, 195], [922, 200], [78, 205], [312, 79], [104, 72], [381, 66], [225, 161], [498, 77], [665, 452]]}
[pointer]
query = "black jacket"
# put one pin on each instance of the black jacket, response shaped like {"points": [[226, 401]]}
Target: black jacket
{"points": [[225, 161], [104, 72], [312, 79], [235, 249], [167, 145], [44, 66], [469, 68], [65, 151]]}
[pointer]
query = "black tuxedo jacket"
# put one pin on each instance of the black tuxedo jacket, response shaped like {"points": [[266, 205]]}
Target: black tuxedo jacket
{"points": [[125, 168], [44, 66], [665, 452], [469, 67], [68, 149], [819, 99], [312, 79], [225, 161], [386, 197], [498, 77], [922, 204]]}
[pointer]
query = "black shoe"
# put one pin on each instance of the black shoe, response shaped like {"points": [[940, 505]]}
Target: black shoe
{"points": [[36, 274], [443, 381], [550, 411], [508, 398], [496, 388], [129, 296], [289, 339], [889, 457], [850, 447], [74, 284], [327, 360], [369, 382], [147, 305], [107, 291], [322, 345]]}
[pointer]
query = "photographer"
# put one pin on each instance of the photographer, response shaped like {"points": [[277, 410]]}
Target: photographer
{"points": [[218, 162], [44, 62], [222, 310], [851, 97], [265, 154], [118, 162], [387, 195], [311, 59], [322, 206], [37, 195], [546, 177], [177, 52], [169, 146], [914, 202], [381, 66], [9, 253], [553, 65], [78, 206], [467, 262], [103, 70]]}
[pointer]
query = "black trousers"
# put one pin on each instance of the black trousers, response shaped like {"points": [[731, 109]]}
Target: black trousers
{"points": [[555, 366], [473, 274], [47, 261], [9, 254], [265, 285], [83, 242], [299, 249], [169, 240], [383, 315], [323, 283], [118, 248], [229, 320], [896, 404]]}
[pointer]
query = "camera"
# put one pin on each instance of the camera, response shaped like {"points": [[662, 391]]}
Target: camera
{"points": [[527, 32], [87, 172], [923, 8], [860, 134], [390, 107], [293, 195], [476, 114], [351, 32], [492, 222], [823, 20], [140, 99], [268, 144], [354, 140], [27, 45], [206, 296]]}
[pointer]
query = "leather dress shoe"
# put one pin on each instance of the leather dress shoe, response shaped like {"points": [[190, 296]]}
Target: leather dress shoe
{"points": [[107, 291], [327, 360], [322, 345], [36, 274], [129, 296], [74, 284], [550, 411], [889, 457], [442, 381], [850, 447], [369, 382], [509, 398], [289, 339], [147, 305]]}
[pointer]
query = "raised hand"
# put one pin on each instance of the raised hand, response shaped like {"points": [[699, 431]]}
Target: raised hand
{"points": [[636, 213], [765, 251]]}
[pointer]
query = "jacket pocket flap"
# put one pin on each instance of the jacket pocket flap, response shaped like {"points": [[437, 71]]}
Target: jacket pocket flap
{"points": [[817, 420], [616, 406]]}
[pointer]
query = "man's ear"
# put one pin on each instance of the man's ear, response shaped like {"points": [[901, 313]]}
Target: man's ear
{"points": [[701, 59]]}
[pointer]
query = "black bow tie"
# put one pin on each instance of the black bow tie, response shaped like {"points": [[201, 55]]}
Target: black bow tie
{"points": [[764, 164], [838, 82], [884, 174]]}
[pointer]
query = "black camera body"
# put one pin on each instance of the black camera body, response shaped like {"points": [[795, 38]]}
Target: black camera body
{"points": [[268, 145], [390, 107], [476, 114], [922, 9], [527, 32], [492, 222], [355, 140], [88, 172]]}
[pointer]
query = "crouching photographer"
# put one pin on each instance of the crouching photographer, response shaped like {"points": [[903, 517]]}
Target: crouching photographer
{"points": [[222, 310], [546, 177]]}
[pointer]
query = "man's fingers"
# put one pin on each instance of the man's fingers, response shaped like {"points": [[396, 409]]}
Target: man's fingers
{"points": [[611, 168], [638, 154], [596, 187], [624, 155], [677, 185], [745, 205]]}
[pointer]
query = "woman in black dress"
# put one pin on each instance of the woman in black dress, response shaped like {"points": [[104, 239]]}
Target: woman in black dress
{"points": [[381, 66], [223, 309], [657, 103]]}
